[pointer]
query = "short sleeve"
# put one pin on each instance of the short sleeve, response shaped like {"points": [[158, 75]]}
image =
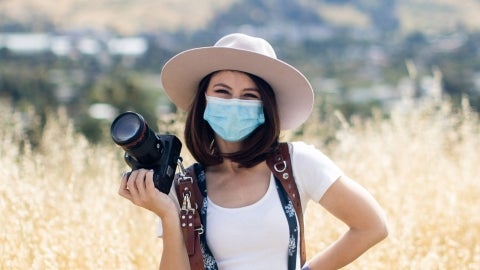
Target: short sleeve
{"points": [[314, 172]]}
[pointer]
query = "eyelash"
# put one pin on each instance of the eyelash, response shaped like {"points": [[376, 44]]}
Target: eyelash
{"points": [[247, 95], [221, 91], [252, 96]]}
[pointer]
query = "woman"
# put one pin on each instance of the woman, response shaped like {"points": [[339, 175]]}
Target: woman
{"points": [[239, 97]]}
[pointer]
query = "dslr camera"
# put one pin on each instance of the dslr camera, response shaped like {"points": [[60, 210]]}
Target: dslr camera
{"points": [[147, 150]]}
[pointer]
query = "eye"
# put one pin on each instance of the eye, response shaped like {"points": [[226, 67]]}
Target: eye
{"points": [[221, 91], [252, 95]]}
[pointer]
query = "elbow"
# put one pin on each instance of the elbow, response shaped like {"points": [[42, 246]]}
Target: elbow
{"points": [[376, 232], [371, 235], [380, 231], [374, 235]]}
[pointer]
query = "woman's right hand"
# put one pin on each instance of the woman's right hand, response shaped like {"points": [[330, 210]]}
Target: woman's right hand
{"points": [[138, 187]]}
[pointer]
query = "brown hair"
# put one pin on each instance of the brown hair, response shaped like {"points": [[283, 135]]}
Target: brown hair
{"points": [[199, 136]]}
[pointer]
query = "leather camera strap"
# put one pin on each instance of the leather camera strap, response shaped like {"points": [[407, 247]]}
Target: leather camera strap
{"points": [[190, 199], [280, 165]]}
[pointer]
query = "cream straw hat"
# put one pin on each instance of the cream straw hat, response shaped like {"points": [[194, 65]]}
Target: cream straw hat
{"points": [[183, 72]]}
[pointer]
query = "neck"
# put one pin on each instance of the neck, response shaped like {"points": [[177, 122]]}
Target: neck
{"points": [[230, 167], [227, 147], [227, 166]]}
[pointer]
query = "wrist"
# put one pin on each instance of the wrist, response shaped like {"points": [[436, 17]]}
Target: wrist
{"points": [[165, 208], [170, 217]]}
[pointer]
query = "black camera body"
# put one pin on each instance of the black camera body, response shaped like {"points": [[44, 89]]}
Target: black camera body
{"points": [[146, 150]]}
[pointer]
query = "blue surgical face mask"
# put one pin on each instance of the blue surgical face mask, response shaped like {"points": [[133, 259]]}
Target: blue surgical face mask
{"points": [[233, 119]]}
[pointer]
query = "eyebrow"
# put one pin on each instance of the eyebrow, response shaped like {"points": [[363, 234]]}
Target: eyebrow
{"points": [[226, 86], [222, 85]]}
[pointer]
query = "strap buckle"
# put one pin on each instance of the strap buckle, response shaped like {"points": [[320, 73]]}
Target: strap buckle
{"points": [[281, 167]]}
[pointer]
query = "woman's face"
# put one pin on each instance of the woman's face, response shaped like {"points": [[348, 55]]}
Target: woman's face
{"points": [[230, 84]]}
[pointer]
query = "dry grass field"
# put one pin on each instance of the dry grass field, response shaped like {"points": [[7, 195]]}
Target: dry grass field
{"points": [[59, 207]]}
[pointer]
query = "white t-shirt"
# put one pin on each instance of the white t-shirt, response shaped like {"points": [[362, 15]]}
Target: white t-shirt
{"points": [[256, 236]]}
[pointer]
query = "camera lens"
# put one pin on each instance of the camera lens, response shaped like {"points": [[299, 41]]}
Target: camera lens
{"points": [[130, 131], [146, 150], [127, 128]]}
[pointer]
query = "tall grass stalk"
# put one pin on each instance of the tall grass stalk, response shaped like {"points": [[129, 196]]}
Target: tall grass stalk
{"points": [[59, 206]]}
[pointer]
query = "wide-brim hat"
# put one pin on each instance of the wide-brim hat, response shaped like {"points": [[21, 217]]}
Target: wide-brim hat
{"points": [[182, 74]]}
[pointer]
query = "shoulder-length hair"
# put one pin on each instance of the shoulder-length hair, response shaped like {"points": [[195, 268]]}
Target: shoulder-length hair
{"points": [[199, 136]]}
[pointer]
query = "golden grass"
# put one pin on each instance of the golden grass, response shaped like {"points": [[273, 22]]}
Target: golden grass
{"points": [[422, 166], [59, 206]]}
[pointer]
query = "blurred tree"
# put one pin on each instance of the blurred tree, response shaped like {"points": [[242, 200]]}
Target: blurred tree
{"points": [[125, 91], [26, 85]]}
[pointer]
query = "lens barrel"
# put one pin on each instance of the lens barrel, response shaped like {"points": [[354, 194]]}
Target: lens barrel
{"points": [[130, 131], [147, 150]]}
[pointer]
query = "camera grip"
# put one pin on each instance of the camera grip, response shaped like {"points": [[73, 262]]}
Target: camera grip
{"points": [[161, 183]]}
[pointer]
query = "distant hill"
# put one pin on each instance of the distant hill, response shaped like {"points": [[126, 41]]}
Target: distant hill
{"points": [[132, 16], [124, 16]]}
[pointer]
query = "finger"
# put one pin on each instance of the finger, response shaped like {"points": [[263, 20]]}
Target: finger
{"points": [[140, 179], [131, 180], [140, 183], [123, 190], [131, 185], [149, 184]]}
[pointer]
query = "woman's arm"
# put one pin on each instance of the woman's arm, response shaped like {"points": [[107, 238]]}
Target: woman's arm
{"points": [[367, 224], [140, 190]]}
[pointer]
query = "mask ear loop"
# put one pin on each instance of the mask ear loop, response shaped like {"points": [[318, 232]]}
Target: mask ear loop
{"points": [[214, 150], [212, 147]]}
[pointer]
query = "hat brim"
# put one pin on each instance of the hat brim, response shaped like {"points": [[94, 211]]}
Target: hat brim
{"points": [[294, 95]]}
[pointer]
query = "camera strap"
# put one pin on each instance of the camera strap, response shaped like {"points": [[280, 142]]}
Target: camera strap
{"points": [[280, 165], [190, 198]]}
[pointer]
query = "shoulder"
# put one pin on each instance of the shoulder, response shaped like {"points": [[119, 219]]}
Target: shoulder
{"points": [[310, 158], [313, 170], [307, 152]]}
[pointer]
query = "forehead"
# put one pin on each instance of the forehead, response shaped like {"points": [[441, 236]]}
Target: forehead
{"points": [[231, 77]]}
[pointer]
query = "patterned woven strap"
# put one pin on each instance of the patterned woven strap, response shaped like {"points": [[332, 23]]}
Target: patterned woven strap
{"points": [[280, 165]]}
